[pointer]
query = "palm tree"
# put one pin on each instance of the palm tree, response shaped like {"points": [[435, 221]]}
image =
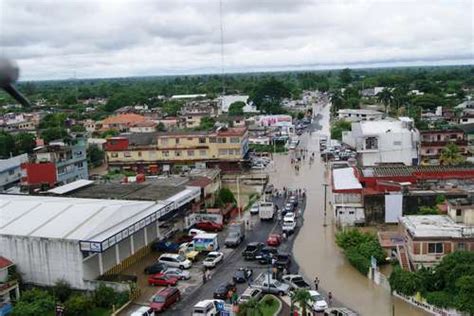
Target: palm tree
{"points": [[302, 297], [385, 96], [250, 308], [450, 155]]}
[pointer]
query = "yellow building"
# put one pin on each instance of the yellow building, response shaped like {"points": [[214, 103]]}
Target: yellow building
{"points": [[154, 152]]}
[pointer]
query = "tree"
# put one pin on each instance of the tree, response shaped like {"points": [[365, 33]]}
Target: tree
{"points": [[171, 108], [78, 305], [95, 155], [250, 308], [62, 290], [224, 197], [338, 127], [268, 94], [345, 76], [34, 302], [54, 133], [207, 123], [302, 297], [404, 282], [104, 296], [161, 127], [118, 100], [450, 155], [110, 133], [7, 145], [78, 129], [24, 143], [426, 210], [337, 101], [237, 108], [385, 96], [53, 120], [465, 297]]}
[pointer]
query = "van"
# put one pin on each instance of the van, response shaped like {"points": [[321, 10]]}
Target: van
{"points": [[143, 311], [164, 298], [266, 211], [175, 260], [208, 308]]}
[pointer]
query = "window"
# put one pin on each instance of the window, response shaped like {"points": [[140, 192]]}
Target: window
{"points": [[212, 140], [164, 141], [127, 154], [371, 143], [202, 140], [166, 153], [190, 138], [114, 155], [139, 154], [177, 140], [458, 212], [436, 248], [190, 153], [11, 172], [79, 165], [177, 153], [202, 152], [461, 246], [235, 140], [222, 140], [222, 152]]}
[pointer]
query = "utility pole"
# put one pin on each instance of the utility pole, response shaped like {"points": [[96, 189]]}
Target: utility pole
{"points": [[238, 196], [325, 185]]}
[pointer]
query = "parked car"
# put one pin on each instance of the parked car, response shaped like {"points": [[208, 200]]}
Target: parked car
{"points": [[165, 298], [194, 231], [339, 311], [250, 293], [143, 311], [289, 207], [212, 259], [162, 279], [177, 273], [252, 250], [209, 226], [318, 301], [187, 249], [223, 289], [295, 281], [208, 308], [283, 260], [165, 246], [242, 275], [175, 260], [254, 209], [269, 285], [274, 240], [156, 267]]}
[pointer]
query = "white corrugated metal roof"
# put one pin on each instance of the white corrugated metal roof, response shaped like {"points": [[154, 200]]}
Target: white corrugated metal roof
{"points": [[344, 179], [433, 226], [71, 186], [70, 218]]}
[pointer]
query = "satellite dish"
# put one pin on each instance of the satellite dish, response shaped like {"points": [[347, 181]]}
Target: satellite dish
{"points": [[9, 73]]}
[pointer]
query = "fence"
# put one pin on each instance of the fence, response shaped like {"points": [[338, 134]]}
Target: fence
{"points": [[421, 303]]}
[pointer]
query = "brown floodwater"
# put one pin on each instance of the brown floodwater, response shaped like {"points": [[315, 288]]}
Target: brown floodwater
{"points": [[315, 249]]}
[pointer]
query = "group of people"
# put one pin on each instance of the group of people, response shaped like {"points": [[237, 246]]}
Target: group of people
{"points": [[316, 288], [300, 156]]}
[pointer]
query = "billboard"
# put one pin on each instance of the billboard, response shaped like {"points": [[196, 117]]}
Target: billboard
{"points": [[393, 207]]}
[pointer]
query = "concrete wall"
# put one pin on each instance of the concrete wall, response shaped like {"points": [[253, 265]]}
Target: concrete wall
{"points": [[44, 261]]}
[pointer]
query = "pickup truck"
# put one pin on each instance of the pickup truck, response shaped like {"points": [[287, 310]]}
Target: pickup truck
{"points": [[295, 281], [269, 285], [252, 250]]}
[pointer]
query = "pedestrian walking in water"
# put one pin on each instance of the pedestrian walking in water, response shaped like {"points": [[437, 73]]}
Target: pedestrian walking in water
{"points": [[316, 283], [330, 298]]}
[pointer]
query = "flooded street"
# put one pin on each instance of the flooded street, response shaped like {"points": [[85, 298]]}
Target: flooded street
{"points": [[315, 248]]}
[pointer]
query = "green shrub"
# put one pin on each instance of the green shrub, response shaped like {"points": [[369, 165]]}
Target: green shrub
{"points": [[34, 302], [405, 282], [62, 290], [104, 296], [79, 305], [440, 299], [356, 259]]}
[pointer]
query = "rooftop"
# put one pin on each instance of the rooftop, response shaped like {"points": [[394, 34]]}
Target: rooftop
{"points": [[345, 179], [382, 126], [407, 171], [438, 226], [359, 111], [13, 162], [128, 118], [5, 263]]}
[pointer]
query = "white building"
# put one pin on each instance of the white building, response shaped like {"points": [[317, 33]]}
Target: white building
{"points": [[78, 239], [384, 141], [371, 92], [355, 115], [10, 171], [226, 100], [347, 200]]}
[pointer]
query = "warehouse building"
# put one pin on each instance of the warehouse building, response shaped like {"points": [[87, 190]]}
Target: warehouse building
{"points": [[79, 239]]}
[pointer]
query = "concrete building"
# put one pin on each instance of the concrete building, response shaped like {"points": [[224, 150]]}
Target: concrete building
{"points": [[9, 287], [347, 199], [122, 122], [469, 132], [371, 92], [384, 141], [434, 141], [10, 171], [226, 101], [428, 238], [56, 163], [461, 210], [80, 239], [155, 152], [357, 115], [143, 127]]}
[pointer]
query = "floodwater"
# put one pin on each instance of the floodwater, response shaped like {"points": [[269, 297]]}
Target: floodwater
{"points": [[315, 248]]}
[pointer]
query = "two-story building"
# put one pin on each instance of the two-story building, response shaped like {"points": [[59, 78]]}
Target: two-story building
{"points": [[433, 142], [468, 130], [9, 289], [10, 171], [56, 163], [151, 153], [357, 115], [384, 141], [122, 122]]}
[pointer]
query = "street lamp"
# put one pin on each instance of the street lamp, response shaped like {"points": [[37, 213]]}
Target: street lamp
{"points": [[325, 185]]}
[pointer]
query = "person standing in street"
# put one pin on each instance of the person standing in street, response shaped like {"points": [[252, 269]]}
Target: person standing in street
{"points": [[316, 283], [330, 299]]}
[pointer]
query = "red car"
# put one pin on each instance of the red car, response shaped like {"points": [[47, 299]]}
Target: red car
{"points": [[274, 240], [165, 298], [209, 226], [162, 279]]}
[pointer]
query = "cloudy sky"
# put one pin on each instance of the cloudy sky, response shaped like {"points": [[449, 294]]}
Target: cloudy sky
{"points": [[54, 39]]}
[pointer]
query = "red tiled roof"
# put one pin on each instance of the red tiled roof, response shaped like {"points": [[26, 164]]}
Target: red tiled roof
{"points": [[128, 118], [200, 182], [5, 263]]}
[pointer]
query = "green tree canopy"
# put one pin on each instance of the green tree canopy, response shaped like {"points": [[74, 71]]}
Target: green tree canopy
{"points": [[268, 94], [338, 127], [54, 133], [95, 155], [237, 108], [225, 196], [450, 155], [345, 76], [207, 123]]}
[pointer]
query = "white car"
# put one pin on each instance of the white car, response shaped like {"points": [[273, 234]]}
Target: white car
{"points": [[180, 274], [254, 209], [195, 231], [290, 215], [212, 259], [319, 303], [258, 166], [143, 311]]}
